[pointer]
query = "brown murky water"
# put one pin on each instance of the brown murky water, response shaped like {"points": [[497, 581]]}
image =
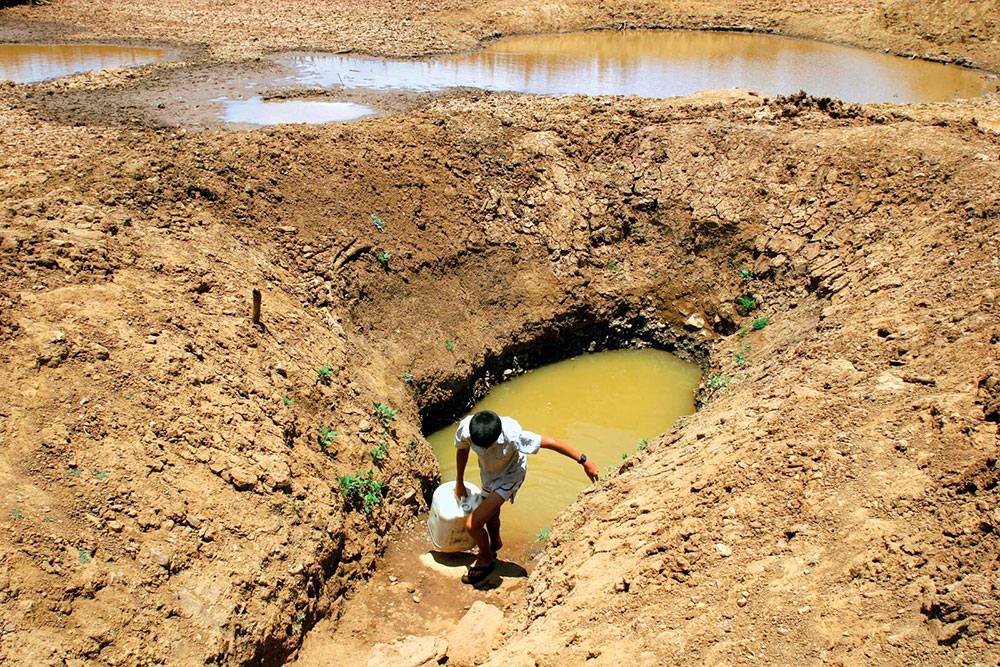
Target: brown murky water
{"points": [[602, 404], [657, 64], [26, 63]]}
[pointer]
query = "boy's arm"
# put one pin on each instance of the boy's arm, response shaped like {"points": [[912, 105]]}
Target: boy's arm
{"points": [[589, 466], [461, 458]]}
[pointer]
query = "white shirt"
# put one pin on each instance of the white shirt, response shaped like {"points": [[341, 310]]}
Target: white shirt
{"points": [[502, 465]]}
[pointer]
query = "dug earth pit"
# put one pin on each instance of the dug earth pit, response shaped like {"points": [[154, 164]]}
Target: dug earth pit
{"points": [[859, 523]]}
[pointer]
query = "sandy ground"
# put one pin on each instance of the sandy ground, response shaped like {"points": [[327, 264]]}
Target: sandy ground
{"points": [[834, 500]]}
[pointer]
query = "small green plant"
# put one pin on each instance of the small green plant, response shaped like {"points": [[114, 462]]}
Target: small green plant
{"points": [[450, 346], [101, 474], [643, 443], [759, 323], [747, 302], [74, 471], [379, 452], [718, 382], [324, 373], [326, 436], [746, 275], [361, 488], [741, 357], [744, 331], [612, 266], [383, 259], [16, 514], [625, 457], [385, 413], [407, 378], [288, 401], [378, 222], [680, 421], [542, 535], [568, 537], [84, 555]]}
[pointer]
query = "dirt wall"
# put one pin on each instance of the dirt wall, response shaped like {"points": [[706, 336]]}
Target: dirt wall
{"points": [[834, 498]]}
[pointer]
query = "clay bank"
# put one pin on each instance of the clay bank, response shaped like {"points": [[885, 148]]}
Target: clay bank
{"points": [[182, 485]]}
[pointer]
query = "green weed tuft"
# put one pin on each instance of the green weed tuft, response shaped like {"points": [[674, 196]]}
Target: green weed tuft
{"points": [[361, 488], [746, 275], [747, 302], [450, 346], [326, 436], [324, 373], [378, 222], [759, 323], [718, 382], [385, 413], [383, 259], [542, 535], [643, 443]]}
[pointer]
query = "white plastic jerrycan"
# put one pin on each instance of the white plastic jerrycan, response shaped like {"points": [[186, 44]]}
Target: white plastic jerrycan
{"points": [[447, 520]]}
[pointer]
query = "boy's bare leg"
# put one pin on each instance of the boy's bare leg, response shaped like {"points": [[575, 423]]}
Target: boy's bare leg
{"points": [[493, 530], [476, 525]]}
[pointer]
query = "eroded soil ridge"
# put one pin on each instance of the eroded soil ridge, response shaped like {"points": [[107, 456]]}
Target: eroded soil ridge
{"points": [[172, 488]]}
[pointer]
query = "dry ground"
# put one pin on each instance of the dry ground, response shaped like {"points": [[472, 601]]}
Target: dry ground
{"points": [[835, 501]]}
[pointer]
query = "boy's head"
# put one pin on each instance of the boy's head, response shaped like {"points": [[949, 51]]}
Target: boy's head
{"points": [[484, 428]]}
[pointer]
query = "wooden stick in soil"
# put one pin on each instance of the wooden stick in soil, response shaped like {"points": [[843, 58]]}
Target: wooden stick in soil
{"points": [[255, 310]]}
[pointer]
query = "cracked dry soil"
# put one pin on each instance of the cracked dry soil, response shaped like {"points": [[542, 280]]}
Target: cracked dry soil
{"points": [[163, 503]]}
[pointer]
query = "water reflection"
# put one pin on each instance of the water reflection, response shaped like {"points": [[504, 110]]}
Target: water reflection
{"points": [[27, 63], [256, 111], [657, 64]]}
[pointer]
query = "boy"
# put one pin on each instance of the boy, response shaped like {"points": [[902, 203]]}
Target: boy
{"points": [[502, 447]]}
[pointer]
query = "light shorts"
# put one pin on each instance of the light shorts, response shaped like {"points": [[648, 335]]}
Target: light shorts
{"points": [[505, 487]]}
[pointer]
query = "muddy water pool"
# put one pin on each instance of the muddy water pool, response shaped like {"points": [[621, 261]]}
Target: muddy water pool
{"points": [[655, 64], [27, 63], [601, 404], [257, 111]]}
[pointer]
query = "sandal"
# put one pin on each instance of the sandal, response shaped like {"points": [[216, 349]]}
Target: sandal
{"points": [[477, 573]]}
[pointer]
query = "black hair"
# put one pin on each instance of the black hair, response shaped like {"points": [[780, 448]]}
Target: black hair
{"points": [[484, 428]]}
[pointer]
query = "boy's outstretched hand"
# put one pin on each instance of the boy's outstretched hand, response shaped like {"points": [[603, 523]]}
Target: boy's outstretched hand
{"points": [[460, 490], [589, 466]]}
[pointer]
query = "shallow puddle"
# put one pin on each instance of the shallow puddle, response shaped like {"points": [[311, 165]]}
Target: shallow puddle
{"points": [[657, 64], [256, 111], [601, 404], [27, 63]]}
